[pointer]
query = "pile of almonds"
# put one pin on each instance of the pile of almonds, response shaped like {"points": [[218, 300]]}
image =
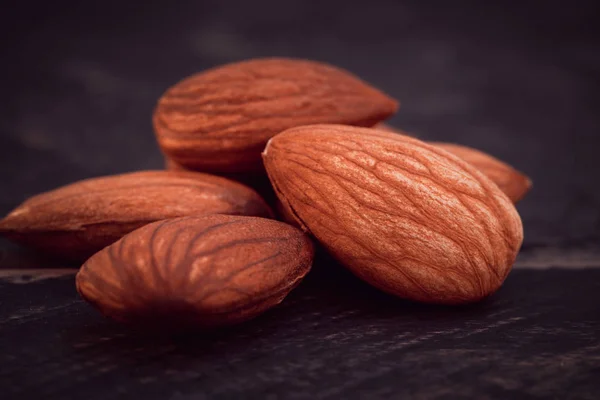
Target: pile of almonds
{"points": [[187, 248]]}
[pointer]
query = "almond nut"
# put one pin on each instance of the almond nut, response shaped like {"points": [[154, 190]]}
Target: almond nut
{"points": [[512, 182], [405, 216], [220, 120], [196, 272], [77, 220]]}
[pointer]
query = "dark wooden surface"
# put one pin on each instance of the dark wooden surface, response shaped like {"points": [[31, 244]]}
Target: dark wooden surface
{"points": [[518, 79]]}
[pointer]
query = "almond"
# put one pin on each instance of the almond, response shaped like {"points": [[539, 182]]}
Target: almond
{"points": [[220, 120], [79, 219], [407, 217], [512, 182], [196, 272]]}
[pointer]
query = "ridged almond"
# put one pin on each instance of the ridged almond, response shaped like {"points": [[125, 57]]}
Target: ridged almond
{"points": [[219, 120], [405, 216], [77, 220], [513, 183], [196, 272]]}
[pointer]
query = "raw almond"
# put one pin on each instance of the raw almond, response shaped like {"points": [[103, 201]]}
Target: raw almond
{"points": [[512, 182], [196, 272], [220, 120], [407, 217], [79, 219]]}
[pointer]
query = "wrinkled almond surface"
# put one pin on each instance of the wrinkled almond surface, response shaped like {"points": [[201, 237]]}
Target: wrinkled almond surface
{"points": [[220, 120], [405, 216], [79, 219], [512, 182], [196, 271]]}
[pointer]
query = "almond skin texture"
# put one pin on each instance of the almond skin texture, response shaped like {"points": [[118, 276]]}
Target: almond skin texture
{"points": [[77, 220], [512, 182], [219, 120], [196, 272], [405, 216]]}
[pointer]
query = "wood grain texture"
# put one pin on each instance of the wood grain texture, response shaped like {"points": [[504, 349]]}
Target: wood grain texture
{"points": [[197, 271], [79, 219], [220, 120], [405, 216], [513, 183]]}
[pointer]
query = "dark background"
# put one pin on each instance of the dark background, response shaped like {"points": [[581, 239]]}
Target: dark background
{"points": [[520, 80]]}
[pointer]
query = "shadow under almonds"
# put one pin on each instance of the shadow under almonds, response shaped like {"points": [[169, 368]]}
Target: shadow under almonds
{"points": [[330, 300], [333, 323], [16, 257]]}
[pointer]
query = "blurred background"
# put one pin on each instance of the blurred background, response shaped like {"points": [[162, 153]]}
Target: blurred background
{"points": [[519, 80]]}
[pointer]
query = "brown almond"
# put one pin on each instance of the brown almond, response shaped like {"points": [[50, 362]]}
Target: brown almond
{"points": [[407, 217], [220, 120], [196, 272], [77, 220], [512, 182]]}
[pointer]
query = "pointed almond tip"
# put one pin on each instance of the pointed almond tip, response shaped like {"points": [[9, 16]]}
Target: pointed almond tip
{"points": [[266, 149], [521, 184], [527, 185], [389, 107], [395, 105], [528, 182], [7, 223]]}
